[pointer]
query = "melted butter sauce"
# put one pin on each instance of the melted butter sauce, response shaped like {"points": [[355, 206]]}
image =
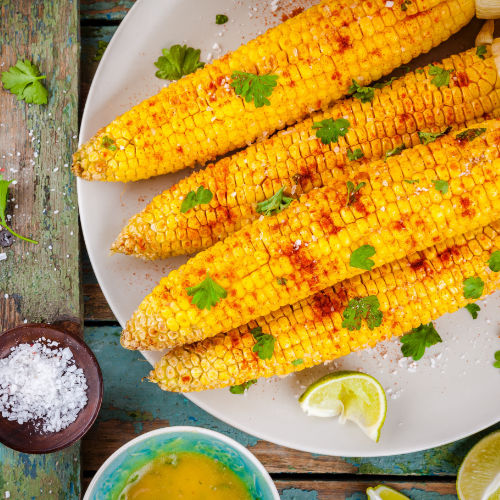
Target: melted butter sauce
{"points": [[186, 476]]}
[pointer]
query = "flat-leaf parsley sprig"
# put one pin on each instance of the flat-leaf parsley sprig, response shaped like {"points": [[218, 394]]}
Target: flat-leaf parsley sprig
{"points": [[4, 192], [330, 130], [23, 80], [178, 61], [415, 342], [360, 308], [264, 346], [256, 88], [206, 294]]}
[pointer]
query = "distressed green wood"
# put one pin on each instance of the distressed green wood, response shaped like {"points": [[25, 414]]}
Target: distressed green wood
{"points": [[108, 10], [40, 283]]}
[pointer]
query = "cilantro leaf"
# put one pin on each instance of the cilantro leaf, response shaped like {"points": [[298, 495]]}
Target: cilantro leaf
{"points": [[404, 5], [441, 75], [428, 137], [265, 343], [412, 181], [241, 388], [364, 94], [352, 192], [202, 196], [298, 362], [108, 143], [494, 261], [357, 154], [360, 257], [330, 130], [4, 192], [441, 185], [254, 87], [469, 134], [23, 80], [178, 61], [275, 204], [473, 287], [415, 342], [480, 51], [381, 85], [281, 281], [395, 151], [361, 308], [419, 71], [206, 294], [221, 19], [496, 364], [473, 309], [102, 45]]}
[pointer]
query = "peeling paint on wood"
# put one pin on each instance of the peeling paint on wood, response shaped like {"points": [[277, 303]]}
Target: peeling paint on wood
{"points": [[96, 10]]}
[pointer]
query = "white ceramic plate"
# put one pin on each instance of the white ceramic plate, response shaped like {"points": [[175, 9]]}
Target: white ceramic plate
{"points": [[450, 393]]}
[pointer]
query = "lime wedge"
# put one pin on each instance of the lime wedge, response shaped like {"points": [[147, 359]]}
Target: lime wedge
{"points": [[479, 475], [351, 396], [383, 492]]}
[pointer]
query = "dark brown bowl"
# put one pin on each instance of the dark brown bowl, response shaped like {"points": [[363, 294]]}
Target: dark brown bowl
{"points": [[24, 437]]}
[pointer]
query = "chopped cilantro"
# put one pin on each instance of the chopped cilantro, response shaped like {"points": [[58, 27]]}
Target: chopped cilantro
{"points": [[23, 80], [361, 308], [404, 5], [102, 45], [330, 130], [4, 192], [494, 261], [473, 309], [298, 362], [473, 287], [281, 281], [360, 258], [357, 154], [364, 94], [352, 192], [265, 343], [380, 85], [428, 137], [178, 61], [469, 134], [221, 19], [395, 151], [480, 51], [441, 75], [441, 185], [241, 388], [108, 143], [496, 364], [412, 181], [419, 71], [415, 342], [206, 294], [202, 196], [274, 204], [254, 87]]}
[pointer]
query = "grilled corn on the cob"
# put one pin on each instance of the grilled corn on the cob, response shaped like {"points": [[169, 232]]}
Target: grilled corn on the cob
{"points": [[411, 291], [315, 55], [410, 202], [296, 160]]}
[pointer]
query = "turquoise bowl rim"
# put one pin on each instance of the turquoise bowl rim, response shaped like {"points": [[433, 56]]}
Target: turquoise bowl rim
{"points": [[107, 466]]}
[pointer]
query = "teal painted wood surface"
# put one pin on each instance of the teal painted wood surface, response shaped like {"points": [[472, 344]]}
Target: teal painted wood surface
{"points": [[108, 10]]}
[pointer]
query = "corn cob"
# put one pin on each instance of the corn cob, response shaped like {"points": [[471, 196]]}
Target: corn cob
{"points": [[411, 291], [285, 258], [315, 55], [296, 160]]}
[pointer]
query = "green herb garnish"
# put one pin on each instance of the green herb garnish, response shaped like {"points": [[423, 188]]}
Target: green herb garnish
{"points": [[473, 309], [281, 281], [357, 154], [254, 87], [473, 287], [364, 94], [481, 51], [496, 364], [108, 143], [298, 362], [4, 192], [469, 134], [419, 71], [415, 342], [361, 308], [274, 204], [202, 196], [330, 130], [23, 80], [441, 185], [178, 61], [441, 75], [395, 151], [404, 5], [381, 85], [206, 294], [412, 181], [221, 19], [241, 388], [102, 45], [428, 137], [494, 261], [360, 258], [265, 343], [352, 192]]}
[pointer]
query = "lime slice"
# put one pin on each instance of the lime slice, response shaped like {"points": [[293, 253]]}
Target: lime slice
{"points": [[383, 492], [479, 475], [350, 396]]}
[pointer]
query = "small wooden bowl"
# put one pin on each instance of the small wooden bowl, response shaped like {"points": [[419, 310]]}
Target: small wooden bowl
{"points": [[24, 437]]}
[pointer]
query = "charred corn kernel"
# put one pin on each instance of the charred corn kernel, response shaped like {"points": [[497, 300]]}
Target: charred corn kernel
{"points": [[248, 277], [200, 117], [411, 291], [296, 160]]}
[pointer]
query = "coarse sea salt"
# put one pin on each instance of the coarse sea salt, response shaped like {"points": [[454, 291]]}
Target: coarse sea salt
{"points": [[40, 382]]}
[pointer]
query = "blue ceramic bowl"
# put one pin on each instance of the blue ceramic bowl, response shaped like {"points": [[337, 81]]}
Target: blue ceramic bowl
{"points": [[112, 476]]}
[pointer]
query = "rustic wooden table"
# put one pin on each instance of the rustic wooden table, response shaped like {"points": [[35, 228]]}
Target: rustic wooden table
{"points": [[42, 283]]}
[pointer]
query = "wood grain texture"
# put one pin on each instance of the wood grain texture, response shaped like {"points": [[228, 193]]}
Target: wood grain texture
{"points": [[41, 282], [107, 10]]}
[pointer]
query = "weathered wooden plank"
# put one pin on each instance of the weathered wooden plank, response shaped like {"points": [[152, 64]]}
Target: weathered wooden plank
{"points": [[136, 407], [40, 283], [104, 10]]}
